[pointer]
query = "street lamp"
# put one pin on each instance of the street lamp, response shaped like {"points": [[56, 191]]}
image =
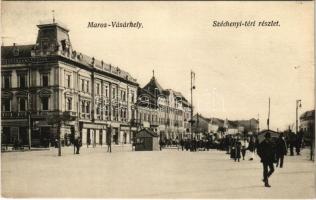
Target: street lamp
{"points": [[78, 109]]}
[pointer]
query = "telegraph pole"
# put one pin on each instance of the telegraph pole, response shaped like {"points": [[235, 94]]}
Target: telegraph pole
{"points": [[268, 121], [298, 104], [191, 89], [29, 110]]}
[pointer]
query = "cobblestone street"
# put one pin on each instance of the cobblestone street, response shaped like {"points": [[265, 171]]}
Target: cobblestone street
{"points": [[162, 174]]}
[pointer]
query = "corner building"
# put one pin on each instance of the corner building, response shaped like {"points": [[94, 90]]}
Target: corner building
{"points": [[49, 79]]}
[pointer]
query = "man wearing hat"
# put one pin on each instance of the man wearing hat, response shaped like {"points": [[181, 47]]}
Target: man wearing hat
{"points": [[267, 154]]}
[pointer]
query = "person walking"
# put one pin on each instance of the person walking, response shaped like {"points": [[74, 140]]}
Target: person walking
{"points": [[244, 146], [266, 152], [298, 143], [108, 142], [281, 150], [292, 141], [251, 147], [78, 144], [182, 144], [237, 150], [160, 144]]}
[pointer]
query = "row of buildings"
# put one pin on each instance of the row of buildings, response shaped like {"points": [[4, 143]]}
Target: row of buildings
{"points": [[51, 90], [203, 126]]}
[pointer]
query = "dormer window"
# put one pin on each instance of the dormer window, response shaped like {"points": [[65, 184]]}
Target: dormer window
{"points": [[44, 44], [63, 45], [15, 52]]}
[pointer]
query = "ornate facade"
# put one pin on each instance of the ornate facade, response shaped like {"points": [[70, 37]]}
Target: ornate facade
{"points": [[49, 80]]}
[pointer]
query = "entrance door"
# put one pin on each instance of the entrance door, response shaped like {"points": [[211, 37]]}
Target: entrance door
{"points": [[45, 136], [100, 136]]}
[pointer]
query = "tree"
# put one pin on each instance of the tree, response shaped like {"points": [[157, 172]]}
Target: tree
{"points": [[56, 120]]}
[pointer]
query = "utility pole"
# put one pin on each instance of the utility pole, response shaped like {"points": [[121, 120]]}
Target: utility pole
{"points": [[29, 110], [298, 105], [268, 121], [258, 124], [191, 89]]}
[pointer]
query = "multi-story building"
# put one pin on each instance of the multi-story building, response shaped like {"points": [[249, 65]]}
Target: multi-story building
{"points": [[307, 126], [164, 110], [48, 81]]}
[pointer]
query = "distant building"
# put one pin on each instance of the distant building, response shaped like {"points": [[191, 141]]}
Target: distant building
{"points": [[165, 111], [202, 126], [307, 125]]}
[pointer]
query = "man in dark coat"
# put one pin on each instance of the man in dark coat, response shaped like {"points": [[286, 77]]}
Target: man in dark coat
{"points": [[298, 144], [292, 142], [281, 150], [267, 154], [78, 144]]}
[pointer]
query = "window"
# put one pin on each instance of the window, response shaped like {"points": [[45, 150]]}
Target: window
{"points": [[106, 91], [44, 80], [107, 110], [45, 103], [82, 85], [22, 104], [68, 81], [98, 108], [6, 81], [87, 86], [123, 95], [69, 103], [133, 96], [113, 93], [22, 81], [82, 107], [98, 88], [6, 105], [88, 107]]}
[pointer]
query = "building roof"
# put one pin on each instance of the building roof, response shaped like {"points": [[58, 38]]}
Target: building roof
{"points": [[152, 86], [308, 115], [16, 51], [146, 133], [25, 51], [217, 121]]}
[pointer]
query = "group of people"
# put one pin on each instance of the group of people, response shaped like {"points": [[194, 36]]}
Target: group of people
{"points": [[189, 144], [271, 151]]}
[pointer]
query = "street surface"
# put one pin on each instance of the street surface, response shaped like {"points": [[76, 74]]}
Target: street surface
{"points": [[162, 174]]}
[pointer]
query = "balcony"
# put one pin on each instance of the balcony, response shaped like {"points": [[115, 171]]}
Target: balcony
{"points": [[13, 115], [85, 116]]}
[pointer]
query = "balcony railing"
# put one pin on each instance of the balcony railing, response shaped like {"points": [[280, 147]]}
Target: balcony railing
{"points": [[13, 115]]}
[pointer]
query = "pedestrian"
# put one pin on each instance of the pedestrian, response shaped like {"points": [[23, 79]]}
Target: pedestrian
{"points": [[108, 142], [237, 150], [281, 150], [266, 152], [78, 144], [88, 141], [298, 143], [232, 148], [182, 144], [292, 142], [244, 146], [251, 147], [160, 144]]}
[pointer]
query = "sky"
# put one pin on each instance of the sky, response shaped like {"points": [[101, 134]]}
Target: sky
{"points": [[237, 69]]}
